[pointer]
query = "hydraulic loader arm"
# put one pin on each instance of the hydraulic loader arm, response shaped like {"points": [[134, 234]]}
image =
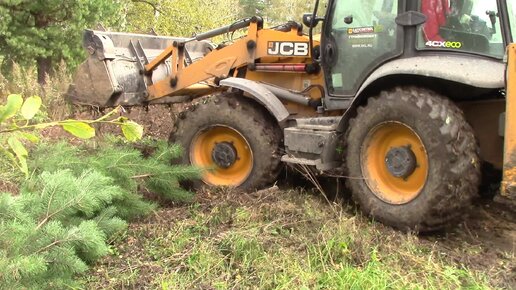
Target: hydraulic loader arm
{"points": [[258, 43], [509, 171]]}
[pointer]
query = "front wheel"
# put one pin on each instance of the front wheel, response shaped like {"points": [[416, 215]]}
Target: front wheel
{"points": [[417, 158], [233, 138]]}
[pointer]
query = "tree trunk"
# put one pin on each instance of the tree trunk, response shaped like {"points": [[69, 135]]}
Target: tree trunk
{"points": [[44, 63], [44, 69]]}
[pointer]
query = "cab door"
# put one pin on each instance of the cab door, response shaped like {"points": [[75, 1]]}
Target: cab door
{"points": [[358, 36]]}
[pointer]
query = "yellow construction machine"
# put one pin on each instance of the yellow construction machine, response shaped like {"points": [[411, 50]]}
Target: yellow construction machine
{"points": [[406, 100]]}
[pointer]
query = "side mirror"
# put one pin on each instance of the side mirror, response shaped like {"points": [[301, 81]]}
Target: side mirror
{"points": [[311, 20], [307, 20]]}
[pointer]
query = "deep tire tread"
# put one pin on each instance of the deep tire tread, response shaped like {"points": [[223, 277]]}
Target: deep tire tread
{"points": [[455, 147], [249, 118]]}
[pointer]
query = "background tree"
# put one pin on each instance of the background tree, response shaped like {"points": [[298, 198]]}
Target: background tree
{"points": [[250, 8], [281, 11], [178, 17], [185, 18], [44, 32]]}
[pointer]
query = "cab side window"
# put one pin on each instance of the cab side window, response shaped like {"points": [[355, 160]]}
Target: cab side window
{"points": [[362, 34], [464, 25]]}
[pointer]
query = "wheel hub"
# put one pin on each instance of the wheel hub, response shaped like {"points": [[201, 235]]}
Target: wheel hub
{"points": [[401, 162], [224, 154]]}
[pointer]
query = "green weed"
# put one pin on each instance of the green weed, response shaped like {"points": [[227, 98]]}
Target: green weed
{"points": [[283, 240]]}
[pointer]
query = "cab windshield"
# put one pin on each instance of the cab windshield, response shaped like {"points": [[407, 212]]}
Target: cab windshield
{"points": [[511, 6], [464, 25]]}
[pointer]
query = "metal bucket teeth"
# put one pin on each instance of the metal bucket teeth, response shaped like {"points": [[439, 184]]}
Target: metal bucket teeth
{"points": [[113, 73]]}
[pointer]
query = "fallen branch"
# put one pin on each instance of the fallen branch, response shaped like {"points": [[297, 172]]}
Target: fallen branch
{"points": [[269, 190]]}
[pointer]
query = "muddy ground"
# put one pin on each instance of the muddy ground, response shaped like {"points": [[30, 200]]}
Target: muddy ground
{"points": [[490, 230], [483, 243]]}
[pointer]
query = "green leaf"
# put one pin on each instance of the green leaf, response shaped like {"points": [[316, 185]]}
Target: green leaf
{"points": [[17, 147], [22, 163], [29, 137], [13, 105], [21, 153], [132, 131], [31, 107], [8, 154], [78, 129]]}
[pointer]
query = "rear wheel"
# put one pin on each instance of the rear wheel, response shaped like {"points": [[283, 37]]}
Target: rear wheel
{"points": [[234, 138], [418, 158], [394, 162]]}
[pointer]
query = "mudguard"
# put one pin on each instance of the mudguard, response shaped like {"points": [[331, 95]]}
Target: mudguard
{"points": [[476, 72], [260, 94]]}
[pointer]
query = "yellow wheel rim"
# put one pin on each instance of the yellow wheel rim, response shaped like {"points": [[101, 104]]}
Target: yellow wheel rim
{"points": [[377, 165], [210, 144]]}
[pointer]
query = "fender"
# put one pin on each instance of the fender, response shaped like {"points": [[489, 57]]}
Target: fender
{"points": [[475, 72], [260, 94], [481, 73]]}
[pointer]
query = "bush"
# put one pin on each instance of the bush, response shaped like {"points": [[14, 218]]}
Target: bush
{"points": [[77, 199]]}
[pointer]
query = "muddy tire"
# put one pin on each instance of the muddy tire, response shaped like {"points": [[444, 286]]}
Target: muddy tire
{"points": [[235, 137], [418, 158]]}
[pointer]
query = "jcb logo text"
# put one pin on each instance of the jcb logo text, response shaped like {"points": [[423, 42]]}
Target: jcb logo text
{"points": [[288, 48]]}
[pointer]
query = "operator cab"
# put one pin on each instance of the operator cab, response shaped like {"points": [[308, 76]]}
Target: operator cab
{"points": [[359, 36]]}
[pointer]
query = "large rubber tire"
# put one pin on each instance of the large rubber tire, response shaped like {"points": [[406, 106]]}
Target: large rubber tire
{"points": [[246, 120], [453, 163]]}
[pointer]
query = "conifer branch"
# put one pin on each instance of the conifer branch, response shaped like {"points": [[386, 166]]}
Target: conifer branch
{"points": [[55, 243], [84, 203], [49, 216], [48, 207], [141, 176]]}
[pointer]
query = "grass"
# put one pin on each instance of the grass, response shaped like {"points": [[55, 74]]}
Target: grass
{"points": [[24, 81], [279, 240]]}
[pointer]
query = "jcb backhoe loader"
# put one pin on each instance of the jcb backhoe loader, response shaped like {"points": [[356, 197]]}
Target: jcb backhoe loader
{"points": [[405, 98]]}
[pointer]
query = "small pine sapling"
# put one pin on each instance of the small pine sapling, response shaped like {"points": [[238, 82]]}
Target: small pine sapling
{"points": [[55, 227]]}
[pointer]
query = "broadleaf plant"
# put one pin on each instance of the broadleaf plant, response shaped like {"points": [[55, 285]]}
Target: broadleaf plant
{"points": [[14, 103], [79, 129], [132, 131], [16, 127], [31, 107]]}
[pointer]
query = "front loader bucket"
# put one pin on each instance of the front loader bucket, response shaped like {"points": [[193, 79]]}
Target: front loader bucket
{"points": [[509, 170], [114, 75]]}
